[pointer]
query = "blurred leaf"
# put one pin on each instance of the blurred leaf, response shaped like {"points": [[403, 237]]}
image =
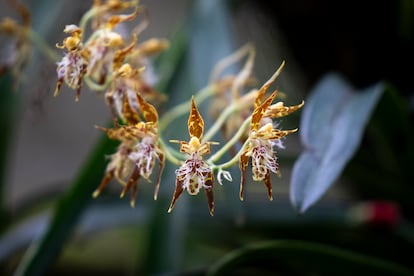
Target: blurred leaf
{"points": [[290, 257], [99, 217], [168, 62], [8, 106], [210, 38], [45, 251], [382, 168], [333, 121]]}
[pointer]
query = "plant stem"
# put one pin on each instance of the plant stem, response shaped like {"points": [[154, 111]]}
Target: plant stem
{"points": [[42, 45], [220, 121], [169, 152], [97, 87], [229, 144], [85, 18]]}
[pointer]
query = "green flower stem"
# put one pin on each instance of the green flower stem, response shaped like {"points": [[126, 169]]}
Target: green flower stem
{"points": [[42, 45], [169, 152], [235, 158], [183, 108], [229, 144], [86, 17], [97, 87], [220, 121]]}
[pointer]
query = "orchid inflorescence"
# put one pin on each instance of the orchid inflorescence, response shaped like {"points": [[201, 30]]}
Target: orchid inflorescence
{"points": [[108, 61]]}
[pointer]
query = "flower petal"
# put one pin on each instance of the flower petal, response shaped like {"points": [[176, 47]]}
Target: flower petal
{"points": [[148, 110], [259, 112], [210, 200], [268, 184], [280, 110], [244, 162], [265, 86], [108, 177], [178, 191], [132, 183], [129, 114], [195, 122]]}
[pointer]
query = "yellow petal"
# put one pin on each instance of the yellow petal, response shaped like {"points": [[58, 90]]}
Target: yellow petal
{"points": [[259, 111], [148, 110], [195, 122]]}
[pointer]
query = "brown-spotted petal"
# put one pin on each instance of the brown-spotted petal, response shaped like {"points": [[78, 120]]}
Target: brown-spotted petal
{"points": [[195, 122], [274, 134], [209, 194], [119, 55], [123, 133], [268, 184], [129, 114], [265, 86], [260, 111], [178, 191], [280, 110], [244, 162], [148, 110]]}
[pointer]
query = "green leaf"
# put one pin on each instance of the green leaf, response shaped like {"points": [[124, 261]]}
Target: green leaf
{"points": [[332, 123], [97, 218], [45, 251], [290, 257], [8, 106]]}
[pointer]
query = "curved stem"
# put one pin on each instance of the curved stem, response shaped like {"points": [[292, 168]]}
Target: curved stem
{"points": [[235, 106], [220, 121], [229, 144], [42, 45], [169, 152], [97, 87], [235, 158], [85, 18]]}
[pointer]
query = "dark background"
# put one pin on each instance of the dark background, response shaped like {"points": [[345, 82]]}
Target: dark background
{"points": [[367, 41]]}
